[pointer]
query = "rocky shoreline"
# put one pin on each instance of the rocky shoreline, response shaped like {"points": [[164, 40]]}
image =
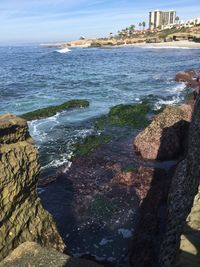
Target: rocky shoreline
{"points": [[118, 202], [116, 168]]}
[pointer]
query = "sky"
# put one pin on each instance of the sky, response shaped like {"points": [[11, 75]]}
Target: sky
{"points": [[64, 20]]}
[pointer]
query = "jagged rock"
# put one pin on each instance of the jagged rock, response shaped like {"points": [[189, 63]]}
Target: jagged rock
{"points": [[190, 77], [32, 254], [184, 76], [184, 187], [22, 216], [164, 138], [190, 240]]}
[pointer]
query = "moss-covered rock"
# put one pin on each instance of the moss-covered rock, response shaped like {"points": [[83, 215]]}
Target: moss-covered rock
{"points": [[130, 168], [89, 144], [52, 110], [133, 115], [22, 217]]}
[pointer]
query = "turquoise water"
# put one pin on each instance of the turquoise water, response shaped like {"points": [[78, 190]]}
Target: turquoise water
{"points": [[32, 77]]}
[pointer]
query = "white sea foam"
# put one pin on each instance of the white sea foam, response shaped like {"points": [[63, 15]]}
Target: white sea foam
{"points": [[126, 233], [63, 160], [63, 51], [105, 241]]}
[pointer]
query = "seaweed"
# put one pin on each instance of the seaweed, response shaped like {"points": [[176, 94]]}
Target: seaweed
{"points": [[52, 110]]}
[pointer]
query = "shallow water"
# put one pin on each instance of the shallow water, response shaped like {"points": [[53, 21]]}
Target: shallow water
{"points": [[32, 77]]}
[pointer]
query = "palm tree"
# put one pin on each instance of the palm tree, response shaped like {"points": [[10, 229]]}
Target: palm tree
{"points": [[143, 24], [132, 27], [176, 20], [140, 25]]}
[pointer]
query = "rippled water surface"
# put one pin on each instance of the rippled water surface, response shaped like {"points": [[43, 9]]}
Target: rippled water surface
{"points": [[32, 77]]}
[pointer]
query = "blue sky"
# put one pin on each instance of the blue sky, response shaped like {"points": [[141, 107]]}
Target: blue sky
{"points": [[62, 20]]}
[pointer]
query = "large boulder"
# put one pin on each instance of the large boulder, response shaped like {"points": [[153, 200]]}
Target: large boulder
{"points": [[22, 216], [165, 137], [32, 254], [184, 187]]}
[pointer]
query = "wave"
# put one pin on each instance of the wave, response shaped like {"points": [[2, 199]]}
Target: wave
{"points": [[64, 161], [63, 50]]}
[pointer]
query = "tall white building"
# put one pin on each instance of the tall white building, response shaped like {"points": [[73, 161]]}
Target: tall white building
{"points": [[159, 18]]}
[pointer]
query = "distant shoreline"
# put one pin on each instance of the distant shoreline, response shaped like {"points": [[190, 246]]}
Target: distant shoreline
{"points": [[88, 44]]}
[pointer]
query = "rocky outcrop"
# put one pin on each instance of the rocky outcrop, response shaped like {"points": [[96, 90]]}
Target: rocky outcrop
{"points": [[32, 254], [164, 138], [184, 187], [190, 77], [190, 239], [22, 216]]}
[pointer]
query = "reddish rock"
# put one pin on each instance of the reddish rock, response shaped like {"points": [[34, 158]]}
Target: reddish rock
{"points": [[184, 76], [164, 138]]}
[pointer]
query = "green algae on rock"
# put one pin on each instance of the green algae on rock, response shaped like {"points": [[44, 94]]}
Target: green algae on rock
{"points": [[130, 168], [52, 110], [89, 144], [133, 115], [22, 216]]}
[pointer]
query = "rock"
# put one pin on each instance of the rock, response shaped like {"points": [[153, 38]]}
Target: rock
{"points": [[164, 138], [184, 187], [22, 216], [52, 110], [13, 129], [185, 76], [190, 239], [191, 78], [32, 254]]}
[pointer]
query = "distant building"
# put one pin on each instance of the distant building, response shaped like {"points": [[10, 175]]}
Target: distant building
{"points": [[161, 19], [192, 22]]}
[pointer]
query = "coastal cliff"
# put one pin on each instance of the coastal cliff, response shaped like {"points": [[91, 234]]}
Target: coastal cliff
{"points": [[22, 215]]}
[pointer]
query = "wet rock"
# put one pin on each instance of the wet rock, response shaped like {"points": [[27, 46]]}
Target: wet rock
{"points": [[22, 216], [191, 78], [165, 137], [52, 110], [185, 76]]}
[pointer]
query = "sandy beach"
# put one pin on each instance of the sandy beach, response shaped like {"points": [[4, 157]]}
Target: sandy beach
{"points": [[175, 44]]}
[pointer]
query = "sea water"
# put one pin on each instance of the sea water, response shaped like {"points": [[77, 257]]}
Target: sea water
{"points": [[33, 77]]}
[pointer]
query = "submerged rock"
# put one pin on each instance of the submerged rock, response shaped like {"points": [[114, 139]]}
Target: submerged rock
{"points": [[22, 216], [165, 137]]}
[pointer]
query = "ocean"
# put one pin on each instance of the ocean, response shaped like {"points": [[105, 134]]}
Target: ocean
{"points": [[33, 77]]}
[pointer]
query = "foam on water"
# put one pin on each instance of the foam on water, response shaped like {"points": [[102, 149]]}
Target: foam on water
{"points": [[63, 51]]}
